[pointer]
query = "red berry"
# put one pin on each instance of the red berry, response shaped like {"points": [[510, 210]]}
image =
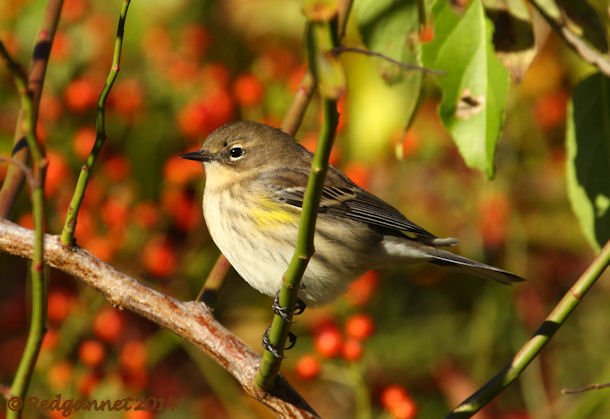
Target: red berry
{"points": [[352, 350], [359, 326], [108, 324], [397, 401], [308, 367], [134, 355], [83, 141], [81, 94], [92, 353], [159, 257], [59, 305], [329, 343], [248, 90]]}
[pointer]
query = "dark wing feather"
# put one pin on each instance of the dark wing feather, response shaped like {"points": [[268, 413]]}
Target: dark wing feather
{"points": [[349, 201]]}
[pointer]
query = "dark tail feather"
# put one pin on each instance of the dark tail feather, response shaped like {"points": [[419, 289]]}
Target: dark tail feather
{"points": [[462, 264]]}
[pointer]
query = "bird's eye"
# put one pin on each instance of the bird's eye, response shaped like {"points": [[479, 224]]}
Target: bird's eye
{"points": [[236, 152]]}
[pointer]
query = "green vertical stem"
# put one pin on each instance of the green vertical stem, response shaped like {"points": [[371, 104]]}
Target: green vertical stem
{"points": [[67, 235], [534, 345], [280, 328], [23, 376]]}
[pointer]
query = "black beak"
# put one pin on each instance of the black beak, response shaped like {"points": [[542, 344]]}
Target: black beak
{"points": [[201, 155]]}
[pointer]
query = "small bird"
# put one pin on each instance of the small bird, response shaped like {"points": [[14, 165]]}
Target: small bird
{"points": [[255, 182]]}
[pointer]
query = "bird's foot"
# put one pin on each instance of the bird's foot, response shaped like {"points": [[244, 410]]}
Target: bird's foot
{"points": [[292, 339], [299, 308]]}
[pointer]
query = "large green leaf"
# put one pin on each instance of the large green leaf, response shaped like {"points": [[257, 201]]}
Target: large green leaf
{"points": [[588, 144], [475, 85]]}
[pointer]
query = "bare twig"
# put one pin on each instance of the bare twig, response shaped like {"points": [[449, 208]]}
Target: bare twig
{"points": [[585, 388], [192, 321], [40, 58], [407, 67]]}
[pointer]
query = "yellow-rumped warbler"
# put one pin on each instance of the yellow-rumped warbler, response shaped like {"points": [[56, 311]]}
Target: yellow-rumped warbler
{"points": [[255, 181]]}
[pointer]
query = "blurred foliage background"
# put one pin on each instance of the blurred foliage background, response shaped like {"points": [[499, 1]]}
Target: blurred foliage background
{"points": [[420, 333]]}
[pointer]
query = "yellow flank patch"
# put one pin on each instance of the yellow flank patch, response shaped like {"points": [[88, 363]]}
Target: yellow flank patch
{"points": [[270, 214]]}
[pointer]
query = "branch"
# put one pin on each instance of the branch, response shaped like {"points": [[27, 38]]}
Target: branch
{"points": [[14, 177], [192, 321], [532, 347], [407, 67], [67, 235]]}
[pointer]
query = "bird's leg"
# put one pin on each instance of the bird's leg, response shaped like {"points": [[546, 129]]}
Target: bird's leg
{"points": [[282, 312], [274, 351]]}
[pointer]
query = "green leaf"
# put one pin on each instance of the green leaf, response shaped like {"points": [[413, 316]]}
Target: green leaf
{"points": [[588, 145], [475, 85], [390, 27]]}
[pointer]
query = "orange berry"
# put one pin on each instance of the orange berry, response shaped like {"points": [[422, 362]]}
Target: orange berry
{"points": [[550, 110], [81, 95], [59, 374], [397, 401], [59, 305], [159, 257], [127, 97], [83, 141], [359, 326], [133, 355], [405, 409], [248, 90], [117, 168], [308, 367], [92, 353], [115, 213], [329, 343], [57, 172], [352, 350], [108, 324], [87, 382]]}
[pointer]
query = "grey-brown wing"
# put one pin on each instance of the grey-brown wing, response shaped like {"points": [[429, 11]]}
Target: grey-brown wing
{"points": [[348, 201]]}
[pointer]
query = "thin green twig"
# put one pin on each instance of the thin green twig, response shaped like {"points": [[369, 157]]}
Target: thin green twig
{"points": [[280, 328], [534, 345], [67, 235], [23, 376]]}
